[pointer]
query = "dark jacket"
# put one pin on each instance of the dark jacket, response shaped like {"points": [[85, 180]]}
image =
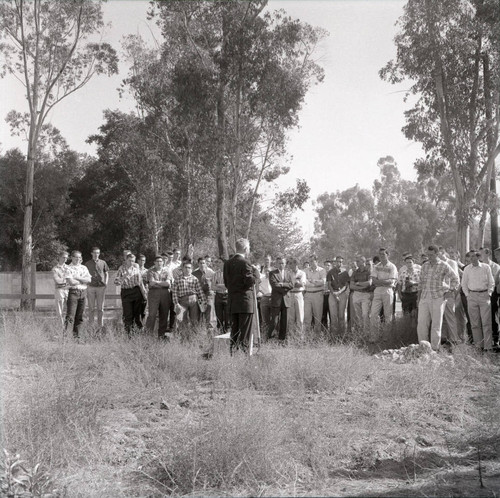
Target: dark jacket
{"points": [[280, 288], [240, 278]]}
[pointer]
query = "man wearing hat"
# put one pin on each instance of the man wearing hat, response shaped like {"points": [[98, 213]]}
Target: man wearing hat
{"points": [[407, 288]]}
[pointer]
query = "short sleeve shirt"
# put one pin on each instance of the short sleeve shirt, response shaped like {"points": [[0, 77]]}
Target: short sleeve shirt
{"points": [[384, 272], [97, 270]]}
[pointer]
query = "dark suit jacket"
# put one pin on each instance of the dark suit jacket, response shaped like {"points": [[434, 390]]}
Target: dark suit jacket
{"points": [[280, 288], [240, 278]]}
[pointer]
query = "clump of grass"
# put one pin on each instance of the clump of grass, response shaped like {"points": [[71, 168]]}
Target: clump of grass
{"points": [[241, 444]]}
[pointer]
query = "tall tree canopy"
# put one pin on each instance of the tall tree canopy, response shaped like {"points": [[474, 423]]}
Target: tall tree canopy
{"points": [[449, 51], [45, 46], [229, 83]]}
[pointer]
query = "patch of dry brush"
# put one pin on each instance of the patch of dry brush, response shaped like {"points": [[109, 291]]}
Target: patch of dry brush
{"points": [[122, 417]]}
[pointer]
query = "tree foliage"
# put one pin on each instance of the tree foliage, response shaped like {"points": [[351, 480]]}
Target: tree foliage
{"points": [[449, 51]]}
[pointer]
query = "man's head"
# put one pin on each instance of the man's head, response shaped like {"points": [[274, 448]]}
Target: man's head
{"points": [[339, 260], [208, 260], [328, 265], [433, 253], [130, 259], [187, 267], [306, 265], [158, 262], [484, 254], [409, 261], [76, 257], [95, 253], [281, 263], [126, 252], [442, 253], [293, 264], [268, 261], [242, 246], [141, 259], [360, 261], [62, 257], [176, 254], [218, 264], [314, 261], [474, 257], [383, 254], [202, 264], [453, 254]]}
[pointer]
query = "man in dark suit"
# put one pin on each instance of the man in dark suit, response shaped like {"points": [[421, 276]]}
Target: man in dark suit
{"points": [[240, 278], [281, 283]]}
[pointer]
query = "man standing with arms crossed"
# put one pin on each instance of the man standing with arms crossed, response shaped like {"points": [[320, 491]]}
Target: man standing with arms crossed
{"points": [[96, 290], [240, 278], [78, 278], [313, 297]]}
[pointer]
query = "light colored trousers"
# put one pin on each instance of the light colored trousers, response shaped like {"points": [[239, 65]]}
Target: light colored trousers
{"points": [[362, 302], [295, 317], [382, 298], [479, 306], [61, 298], [338, 305], [95, 299], [313, 308], [430, 316]]}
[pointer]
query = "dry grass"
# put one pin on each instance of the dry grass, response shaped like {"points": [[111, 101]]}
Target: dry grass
{"points": [[310, 418]]}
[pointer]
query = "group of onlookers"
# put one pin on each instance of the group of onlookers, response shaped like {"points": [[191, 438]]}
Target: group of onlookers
{"points": [[439, 291]]}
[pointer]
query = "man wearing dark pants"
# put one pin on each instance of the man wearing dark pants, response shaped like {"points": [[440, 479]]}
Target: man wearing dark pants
{"points": [[78, 278], [281, 284], [240, 278]]}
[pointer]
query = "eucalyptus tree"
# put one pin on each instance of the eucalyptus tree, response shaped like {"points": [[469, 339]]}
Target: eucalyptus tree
{"points": [[45, 47], [233, 81], [449, 52]]}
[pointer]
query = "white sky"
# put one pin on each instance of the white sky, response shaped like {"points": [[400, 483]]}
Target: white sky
{"points": [[347, 123]]}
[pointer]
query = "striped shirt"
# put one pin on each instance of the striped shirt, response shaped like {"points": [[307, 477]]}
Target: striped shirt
{"points": [[187, 286], [128, 278], [436, 279]]}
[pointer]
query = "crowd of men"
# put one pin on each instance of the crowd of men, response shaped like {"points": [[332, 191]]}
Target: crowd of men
{"points": [[284, 296]]}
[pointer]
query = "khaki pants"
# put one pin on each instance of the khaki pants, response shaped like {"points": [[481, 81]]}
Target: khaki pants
{"points": [[61, 298], [382, 298], [95, 300], [313, 308], [479, 306], [337, 305], [362, 302], [430, 316], [296, 311]]}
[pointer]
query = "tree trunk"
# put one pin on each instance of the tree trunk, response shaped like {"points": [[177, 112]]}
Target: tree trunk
{"points": [[439, 77], [27, 248]]}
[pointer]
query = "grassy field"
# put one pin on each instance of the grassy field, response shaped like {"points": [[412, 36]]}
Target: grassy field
{"points": [[116, 417]]}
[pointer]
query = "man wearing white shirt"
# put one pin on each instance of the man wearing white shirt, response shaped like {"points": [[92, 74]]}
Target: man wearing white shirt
{"points": [[478, 284], [296, 310], [314, 292], [485, 257], [59, 273], [384, 277], [264, 294], [78, 278]]}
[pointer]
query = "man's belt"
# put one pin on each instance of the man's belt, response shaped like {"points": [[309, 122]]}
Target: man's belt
{"points": [[314, 291], [482, 290], [60, 286], [296, 291]]}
